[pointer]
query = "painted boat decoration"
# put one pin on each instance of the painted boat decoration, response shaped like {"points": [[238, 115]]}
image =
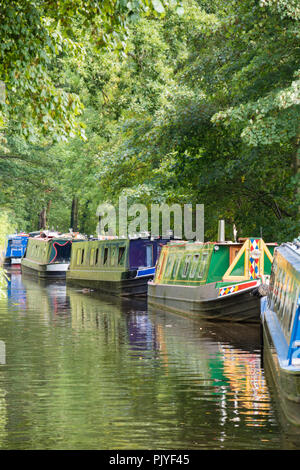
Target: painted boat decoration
{"points": [[115, 266], [281, 328], [47, 256], [213, 280], [15, 249]]}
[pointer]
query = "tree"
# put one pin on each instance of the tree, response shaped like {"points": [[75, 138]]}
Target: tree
{"points": [[199, 108], [34, 35]]}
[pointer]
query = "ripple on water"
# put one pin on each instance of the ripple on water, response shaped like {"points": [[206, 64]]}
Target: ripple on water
{"points": [[86, 372]]}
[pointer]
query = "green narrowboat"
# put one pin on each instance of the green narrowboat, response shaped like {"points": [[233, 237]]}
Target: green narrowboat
{"points": [[47, 257], [117, 266], [213, 280]]}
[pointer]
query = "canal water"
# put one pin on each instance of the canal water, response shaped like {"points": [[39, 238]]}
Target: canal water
{"points": [[79, 371]]}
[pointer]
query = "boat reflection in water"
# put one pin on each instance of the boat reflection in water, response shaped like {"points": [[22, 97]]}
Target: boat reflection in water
{"points": [[114, 316], [220, 359], [226, 359], [16, 292], [3, 392], [217, 363], [113, 374], [49, 297]]}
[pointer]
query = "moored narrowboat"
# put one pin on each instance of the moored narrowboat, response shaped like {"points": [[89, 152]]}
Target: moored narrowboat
{"points": [[48, 256], [117, 266], [280, 314], [213, 280], [15, 249]]}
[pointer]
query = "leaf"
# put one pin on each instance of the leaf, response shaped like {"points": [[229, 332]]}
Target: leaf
{"points": [[158, 6], [180, 11]]}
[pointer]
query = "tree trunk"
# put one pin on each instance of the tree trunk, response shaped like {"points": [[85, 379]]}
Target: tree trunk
{"points": [[74, 214], [42, 219], [84, 217], [43, 215], [48, 211]]}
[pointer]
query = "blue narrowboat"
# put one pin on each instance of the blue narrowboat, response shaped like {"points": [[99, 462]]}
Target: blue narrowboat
{"points": [[280, 311], [15, 249]]}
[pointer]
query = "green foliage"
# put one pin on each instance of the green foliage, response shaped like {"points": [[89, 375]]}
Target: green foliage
{"points": [[200, 107], [35, 36], [6, 227]]}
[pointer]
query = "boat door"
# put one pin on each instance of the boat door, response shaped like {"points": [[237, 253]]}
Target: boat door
{"points": [[249, 262]]}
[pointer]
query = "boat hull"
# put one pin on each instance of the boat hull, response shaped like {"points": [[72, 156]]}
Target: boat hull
{"points": [[285, 378], [136, 286], [44, 271], [12, 261], [203, 302]]}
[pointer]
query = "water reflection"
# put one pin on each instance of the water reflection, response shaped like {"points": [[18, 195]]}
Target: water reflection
{"points": [[3, 415], [290, 432], [16, 292], [3, 404], [90, 372], [221, 361]]}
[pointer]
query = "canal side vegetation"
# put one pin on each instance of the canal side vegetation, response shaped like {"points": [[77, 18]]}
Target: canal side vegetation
{"points": [[161, 101], [6, 227]]}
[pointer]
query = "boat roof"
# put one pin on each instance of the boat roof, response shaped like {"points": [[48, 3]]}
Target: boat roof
{"points": [[220, 243], [291, 252], [17, 235], [122, 239], [51, 235], [48, 239]]}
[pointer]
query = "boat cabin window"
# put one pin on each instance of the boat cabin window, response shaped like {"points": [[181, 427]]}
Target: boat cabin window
{"points": [[296, 294], [176, 266], [282, 293], [105, 255], [203, 263], [121, 255], [149, 255], [170, 262], [78, 260], [286, 299], [113, 256], [82, 256], [194, 265], [282, 296], [92, 256], [186, 265], [97, 255], [278, 288]]}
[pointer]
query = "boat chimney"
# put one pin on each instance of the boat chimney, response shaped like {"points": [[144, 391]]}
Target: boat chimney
{"points": [[221, 231]]}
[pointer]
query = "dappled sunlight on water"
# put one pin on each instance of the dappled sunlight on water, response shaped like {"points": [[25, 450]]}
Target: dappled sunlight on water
{"points": [[87, 372]]}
